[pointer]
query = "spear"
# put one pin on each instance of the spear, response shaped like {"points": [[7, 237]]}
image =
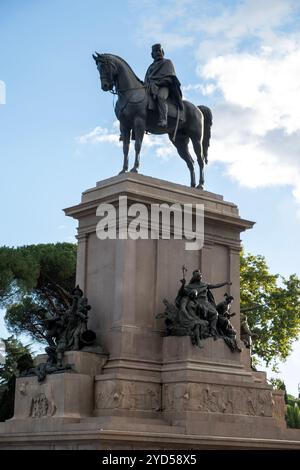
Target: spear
{"points": [[184, 270]]}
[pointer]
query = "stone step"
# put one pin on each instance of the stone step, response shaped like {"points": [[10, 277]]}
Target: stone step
{"points": [[121, 423]]}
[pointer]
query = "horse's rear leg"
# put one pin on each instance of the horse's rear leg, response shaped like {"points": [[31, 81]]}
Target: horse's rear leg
{"points": [[139, 131], [181, 144], [199, 153], [125, 133]]}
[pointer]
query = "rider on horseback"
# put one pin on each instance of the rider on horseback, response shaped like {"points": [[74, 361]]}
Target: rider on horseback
{"points": [[193, 124], [161, 82]]}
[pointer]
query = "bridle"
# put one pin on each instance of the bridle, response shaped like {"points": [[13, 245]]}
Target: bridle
{"points": [[106, 73], [107, 65]]}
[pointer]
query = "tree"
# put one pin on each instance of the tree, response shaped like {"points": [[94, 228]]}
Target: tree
{"points": [[293, 412], [17, 358], [278, 384], [292, 415], [275, 320], [14, 352], [32, 281], [31, 278]]}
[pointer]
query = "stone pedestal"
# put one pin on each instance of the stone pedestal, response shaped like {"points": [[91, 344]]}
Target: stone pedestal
{"points": [[60, 396], [151, 391], [126, 281], [68, 394], [209, 391]]}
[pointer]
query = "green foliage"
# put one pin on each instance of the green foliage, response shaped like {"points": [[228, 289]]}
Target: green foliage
{"points": [[15, 353], [278, 384], [276, 318], [30, 267], [291, 400], [28, 279], [26, 316], [18, 358], [293, 415]]}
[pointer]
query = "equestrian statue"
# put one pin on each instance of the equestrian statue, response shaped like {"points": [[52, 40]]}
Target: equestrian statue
{"points": [[155, 106]]}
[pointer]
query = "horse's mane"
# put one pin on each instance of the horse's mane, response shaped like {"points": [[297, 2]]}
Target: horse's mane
{"points": [[126, 63]]}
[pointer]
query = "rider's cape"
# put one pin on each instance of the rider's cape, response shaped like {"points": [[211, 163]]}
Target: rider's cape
{"points": [[161, 70]]}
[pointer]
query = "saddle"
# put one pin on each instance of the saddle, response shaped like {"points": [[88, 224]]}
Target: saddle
{"points": [[152, 106], [172, 107]]}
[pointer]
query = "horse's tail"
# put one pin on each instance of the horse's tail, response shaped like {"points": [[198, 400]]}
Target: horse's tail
{"points": [[207, 114]]}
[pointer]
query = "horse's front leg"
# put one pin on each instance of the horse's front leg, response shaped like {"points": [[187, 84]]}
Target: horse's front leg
{"points": [[125, 133], [139, 131]]}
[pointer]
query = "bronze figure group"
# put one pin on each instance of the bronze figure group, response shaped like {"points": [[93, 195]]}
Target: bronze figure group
{"points": [[65, 331], [155, 106], [197, 315]]}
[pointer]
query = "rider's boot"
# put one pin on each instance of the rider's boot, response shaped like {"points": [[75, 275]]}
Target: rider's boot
{"points": [[163, 113]]}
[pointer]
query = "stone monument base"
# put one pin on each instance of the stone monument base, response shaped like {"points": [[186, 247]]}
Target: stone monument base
{"points": [[150, 391], [208, 401]]}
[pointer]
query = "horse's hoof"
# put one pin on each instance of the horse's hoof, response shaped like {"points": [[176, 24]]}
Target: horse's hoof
{"points": [[122, 171], [200, 186], [134, 170]]}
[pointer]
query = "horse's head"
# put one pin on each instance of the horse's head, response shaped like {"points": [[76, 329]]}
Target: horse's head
{"points": [[107, 71]]}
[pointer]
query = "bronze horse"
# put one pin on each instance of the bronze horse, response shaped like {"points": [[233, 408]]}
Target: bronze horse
{"points": [[135, 118]]}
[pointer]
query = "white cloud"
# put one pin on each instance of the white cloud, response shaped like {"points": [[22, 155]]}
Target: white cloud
{"points": [[243, 25], [159, 144], [204, 89], [170, 41], [155, 19], [253, 166], [99, 134], [247, 57], [260, 141], [249, 64], [267, 83]]}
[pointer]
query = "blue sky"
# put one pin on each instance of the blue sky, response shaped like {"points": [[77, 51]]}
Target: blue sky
{"points": [[57, 128]]}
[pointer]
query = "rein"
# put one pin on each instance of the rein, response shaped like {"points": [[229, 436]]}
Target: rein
{"points": [[116, 91]]}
